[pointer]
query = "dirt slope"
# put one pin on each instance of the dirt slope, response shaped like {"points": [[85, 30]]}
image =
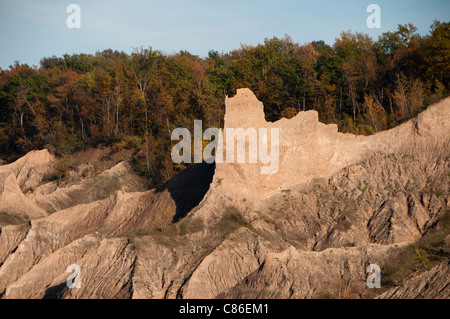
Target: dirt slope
{"points": [[337, 204]]}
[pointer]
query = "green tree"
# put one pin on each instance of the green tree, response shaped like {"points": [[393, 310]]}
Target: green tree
{"points": [[143, 63]]}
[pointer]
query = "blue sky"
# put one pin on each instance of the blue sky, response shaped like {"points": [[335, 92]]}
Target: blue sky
{"points": [[32, 29]]}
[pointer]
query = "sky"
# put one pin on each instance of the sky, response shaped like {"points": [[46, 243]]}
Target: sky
{"points": [[33, 29]]}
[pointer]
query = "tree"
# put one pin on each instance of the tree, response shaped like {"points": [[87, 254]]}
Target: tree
{"points": [[437, 52], [110, 87], [400, 39], [136, 100], [143, 63], [408, 96], [23, 91], [358, 66], [83, 101]]}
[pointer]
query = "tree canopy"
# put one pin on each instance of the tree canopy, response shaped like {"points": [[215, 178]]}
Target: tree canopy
{"points": [[80, 100]]}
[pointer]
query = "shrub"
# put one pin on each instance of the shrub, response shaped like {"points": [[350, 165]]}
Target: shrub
{"points": [[231, 220], [120, 145], [421, 257], [59, 173], [365, 129]]}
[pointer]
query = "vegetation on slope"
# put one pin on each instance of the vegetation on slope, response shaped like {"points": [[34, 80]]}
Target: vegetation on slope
{"points": [[134, 101]]}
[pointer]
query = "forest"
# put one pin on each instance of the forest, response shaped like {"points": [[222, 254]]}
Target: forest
{"points": [[121, 100]]}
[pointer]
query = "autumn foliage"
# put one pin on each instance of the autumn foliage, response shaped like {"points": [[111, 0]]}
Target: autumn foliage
{"points": [[76, 101]]}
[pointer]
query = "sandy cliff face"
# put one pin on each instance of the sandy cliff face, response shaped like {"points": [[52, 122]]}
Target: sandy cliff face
{"points": [[25, 173], [309, 149], [337, 203]]}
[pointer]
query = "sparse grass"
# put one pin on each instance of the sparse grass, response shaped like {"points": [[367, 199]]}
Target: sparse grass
{"points": [[119, 145], [190, 225], [433, 243], [50, 177], [9, 219], [426, 253], [137, 234], [363, 189], [171, 234], [132, 142], [394, 272], [231, 220], [420, 257], [342, 288], [59, 173], [439, 192], [343, 225]]}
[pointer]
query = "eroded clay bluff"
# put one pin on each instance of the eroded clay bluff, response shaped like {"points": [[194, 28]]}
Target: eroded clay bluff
{"points": [[226, 231], [309, 149]]}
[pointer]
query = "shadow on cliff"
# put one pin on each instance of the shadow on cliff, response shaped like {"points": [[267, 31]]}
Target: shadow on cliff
{"points": [[188, 187], [53, 292]]}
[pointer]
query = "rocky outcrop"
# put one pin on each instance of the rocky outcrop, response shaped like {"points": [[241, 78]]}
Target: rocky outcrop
{"points": [[332, 273], [52, 198], [309, 149], [337, 203], [24, 174]]}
